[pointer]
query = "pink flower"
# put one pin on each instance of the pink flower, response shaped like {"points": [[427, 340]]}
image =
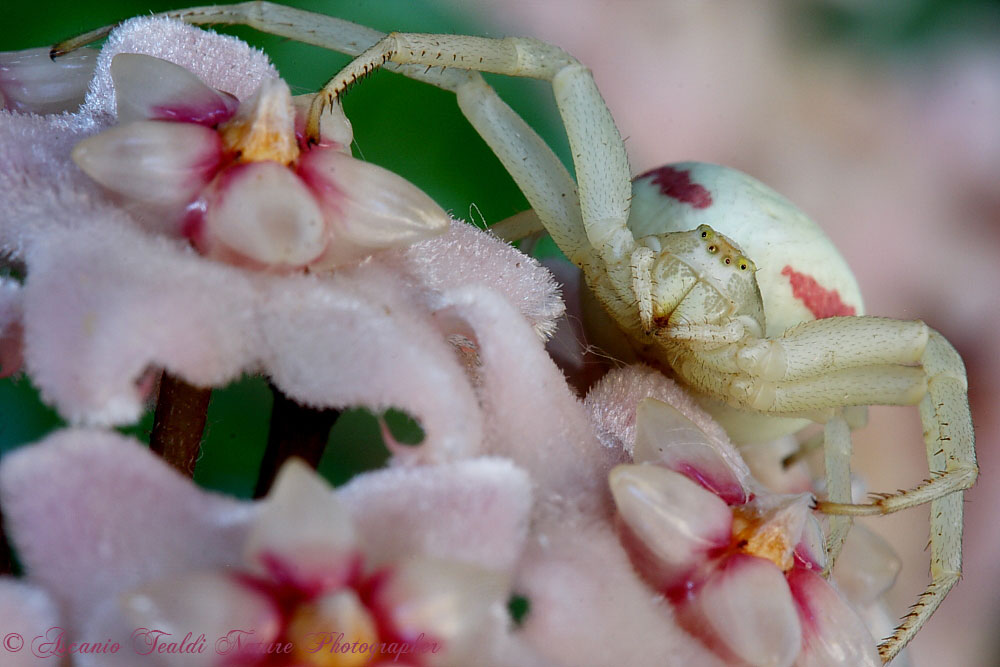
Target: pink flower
{"points": [[415, 561], [740, 565], [240, 181], [105, 300]]}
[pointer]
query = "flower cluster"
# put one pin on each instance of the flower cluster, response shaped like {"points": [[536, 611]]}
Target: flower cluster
{"points": [[179, 221]]}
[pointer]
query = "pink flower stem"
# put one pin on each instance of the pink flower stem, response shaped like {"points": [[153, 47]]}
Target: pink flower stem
{"points": [[296, 430], [181, 410]]}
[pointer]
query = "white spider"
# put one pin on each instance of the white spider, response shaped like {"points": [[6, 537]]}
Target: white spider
{"points": [[675, 272]]}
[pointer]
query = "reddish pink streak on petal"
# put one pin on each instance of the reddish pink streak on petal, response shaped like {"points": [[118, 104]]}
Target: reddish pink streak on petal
{"points": [[729, 490], [676, 183], [820, 301], [209, 115], [800, 581]]}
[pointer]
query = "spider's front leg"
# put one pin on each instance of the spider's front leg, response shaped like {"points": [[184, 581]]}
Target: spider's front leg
{"points": [[819, 367], [604, 184]]}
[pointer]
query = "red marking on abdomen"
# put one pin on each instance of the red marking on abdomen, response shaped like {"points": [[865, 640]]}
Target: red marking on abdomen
{"points": [[820, 301], [676, 183]]}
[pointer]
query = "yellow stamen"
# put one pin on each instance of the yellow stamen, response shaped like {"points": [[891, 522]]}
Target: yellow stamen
{"points": [[264, 128], [335, 631]]}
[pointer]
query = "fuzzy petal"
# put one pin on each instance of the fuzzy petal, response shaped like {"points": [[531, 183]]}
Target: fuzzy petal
{"points": [[474, 511], [148, 88], [666, 437], [612, 403], [360, 337], [26, 612], [747, 610], [41, 190], [221, 62], [205, 603], [62, 500], [533, 416], [367, 207], [832, 632], [154, 162], [465, 255], [31, 82], [674, 520], [96, 320]]}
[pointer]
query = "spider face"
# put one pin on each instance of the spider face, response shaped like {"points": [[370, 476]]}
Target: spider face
{"points": [[701, 276]]}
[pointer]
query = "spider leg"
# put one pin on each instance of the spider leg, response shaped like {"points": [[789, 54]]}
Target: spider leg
{"points": [[837, 453], [866, 361], [604, 184], [951, 455]]}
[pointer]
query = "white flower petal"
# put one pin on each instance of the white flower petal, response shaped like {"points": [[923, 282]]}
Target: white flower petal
{"points": [[474, 511], [153, 162], [208, 603], [31, 82], [832, 632], [304, 526], [612, 403], [104, 302], [364, 337], [812, 549], [747, 610], [368, 207], [335, 128], [666, 437], [263, 212], [465, 255], [674, 520], [25, 612], [533, 416], [455, 604], [148, 88], [117, 517], [587, 607], [867, 566]]}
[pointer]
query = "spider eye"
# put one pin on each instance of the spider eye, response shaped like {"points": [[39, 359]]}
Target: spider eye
{"points": [[728, 260], [706, 231], [713, 248]]}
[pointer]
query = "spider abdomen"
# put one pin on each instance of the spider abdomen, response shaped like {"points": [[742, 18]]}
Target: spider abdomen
{"points": [[800, 273]]}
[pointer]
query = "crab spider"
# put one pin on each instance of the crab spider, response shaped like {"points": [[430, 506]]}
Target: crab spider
{"points": [[669, 257]]}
